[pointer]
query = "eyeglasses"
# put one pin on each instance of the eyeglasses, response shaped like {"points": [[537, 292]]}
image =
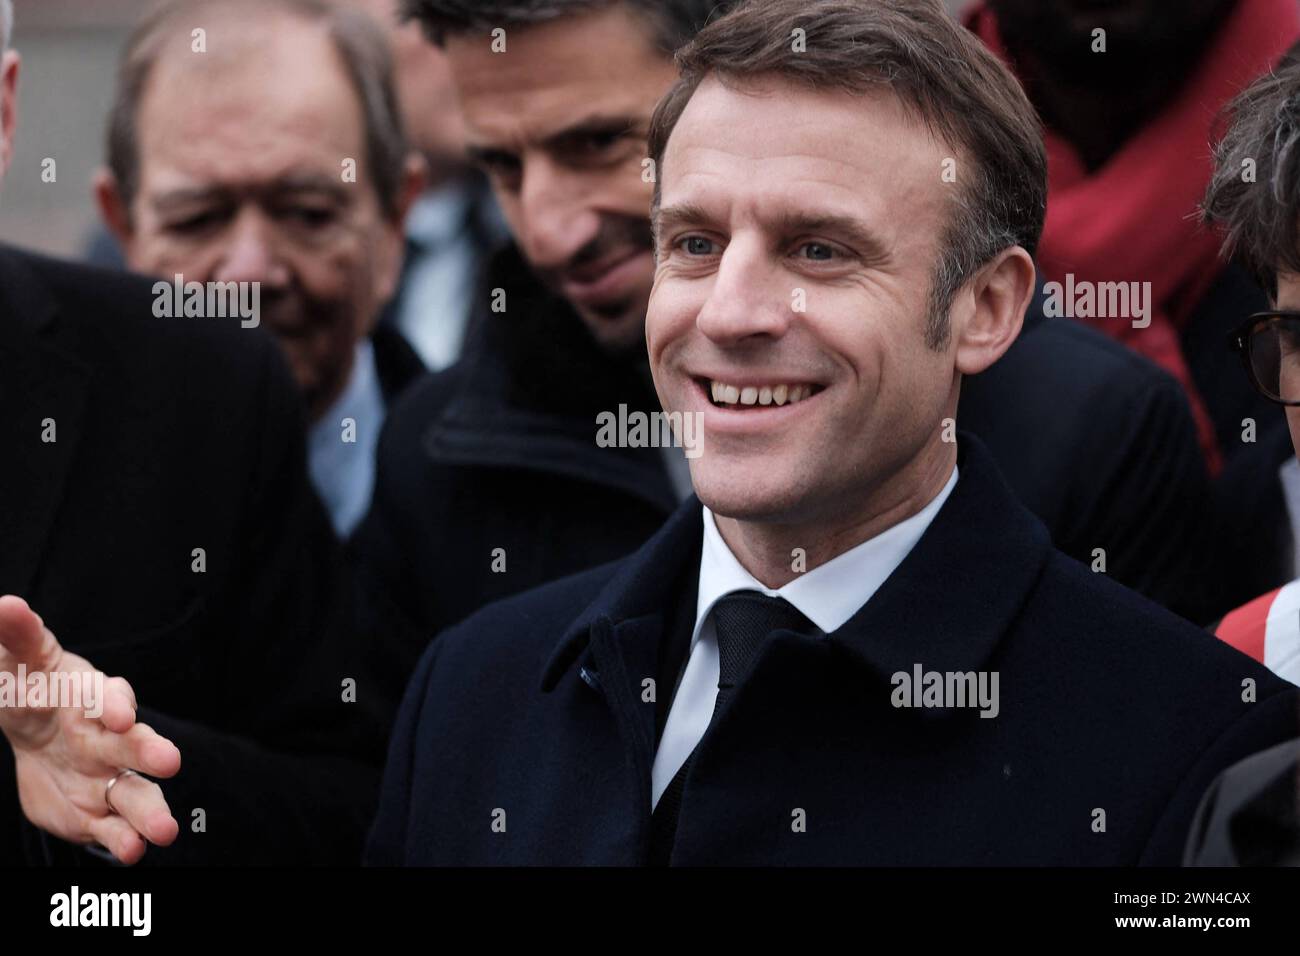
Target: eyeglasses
{"points": [[1269, 343]]}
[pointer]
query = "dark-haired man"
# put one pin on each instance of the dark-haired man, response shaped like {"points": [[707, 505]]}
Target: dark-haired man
{"points": [[1260, 215], [1251, 816], [862, 648], [490, 478]]}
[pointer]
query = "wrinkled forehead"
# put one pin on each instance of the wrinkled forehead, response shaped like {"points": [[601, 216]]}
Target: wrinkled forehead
{"points": [[779, 148], [280, 104]]}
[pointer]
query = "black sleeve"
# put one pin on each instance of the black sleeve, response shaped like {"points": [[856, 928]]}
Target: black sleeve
{"points": [[386, 553], [1152, 509], [388, 838], [287, 771], [1269, 722], [283, 768]]}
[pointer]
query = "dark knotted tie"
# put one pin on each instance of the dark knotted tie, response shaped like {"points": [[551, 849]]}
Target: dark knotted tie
{"points": [[742, 621]]}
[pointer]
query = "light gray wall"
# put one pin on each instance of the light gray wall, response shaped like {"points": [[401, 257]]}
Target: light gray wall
{"points": [[69, 50]]}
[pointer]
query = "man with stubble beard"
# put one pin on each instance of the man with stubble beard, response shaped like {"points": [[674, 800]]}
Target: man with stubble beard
{"points": [[491, 480]]}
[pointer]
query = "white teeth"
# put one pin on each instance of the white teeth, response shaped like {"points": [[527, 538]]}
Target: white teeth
{"points": [[724, 394]]}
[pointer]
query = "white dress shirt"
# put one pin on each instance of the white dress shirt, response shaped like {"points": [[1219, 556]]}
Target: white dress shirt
{"points": [[343, 473], [827, 595], [438, 293]]}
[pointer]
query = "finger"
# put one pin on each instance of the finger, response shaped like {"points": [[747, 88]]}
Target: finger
{"points": [[24, 635], [118, 837], [142, 804], [119, 705], [140, 749]]}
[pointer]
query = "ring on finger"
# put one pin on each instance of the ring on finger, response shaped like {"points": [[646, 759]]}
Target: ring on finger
{"points": [[109, 788]]}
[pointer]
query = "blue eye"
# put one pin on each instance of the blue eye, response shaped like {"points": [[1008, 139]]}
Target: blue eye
{"points": [[696, 245], [825, 252]]}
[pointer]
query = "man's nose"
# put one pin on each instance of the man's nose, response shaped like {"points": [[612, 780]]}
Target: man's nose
{"points": [[557, 220], [251, 253], [749, 297]]}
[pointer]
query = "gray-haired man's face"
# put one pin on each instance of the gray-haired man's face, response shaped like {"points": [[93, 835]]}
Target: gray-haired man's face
{"points": [[245, 177], [558, 119]]}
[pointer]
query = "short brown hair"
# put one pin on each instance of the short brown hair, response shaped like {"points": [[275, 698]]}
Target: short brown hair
{"points": [[361, 43], [1261, 216], [674, 21], [940, 72]]}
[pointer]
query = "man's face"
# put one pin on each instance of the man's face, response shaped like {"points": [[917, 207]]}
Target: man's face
{"points": [[559, 123], [242, 163], [777, 198]]}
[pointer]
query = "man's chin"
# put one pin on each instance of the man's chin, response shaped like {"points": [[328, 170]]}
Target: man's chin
{"points": [[617, 333], [744, 496]]}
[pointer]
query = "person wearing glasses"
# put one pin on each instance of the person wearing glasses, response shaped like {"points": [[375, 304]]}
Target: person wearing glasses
{"points": [[1250, 815], [1255, 197]]}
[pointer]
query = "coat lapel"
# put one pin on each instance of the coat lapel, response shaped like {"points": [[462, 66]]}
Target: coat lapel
{"points": [[620, 637], [956, 594]]}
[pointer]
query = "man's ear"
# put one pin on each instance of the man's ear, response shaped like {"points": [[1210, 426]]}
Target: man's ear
{"points": [[9, 67], [392, 252], [415, 180], [112, 207], [993, 310]]}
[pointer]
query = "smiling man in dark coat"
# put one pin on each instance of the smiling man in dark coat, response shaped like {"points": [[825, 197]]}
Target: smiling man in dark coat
{"points": [[489, 479], [856, 646]]}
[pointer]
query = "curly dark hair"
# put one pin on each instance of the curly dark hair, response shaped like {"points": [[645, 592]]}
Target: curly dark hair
{"points": [[1255, 191]]}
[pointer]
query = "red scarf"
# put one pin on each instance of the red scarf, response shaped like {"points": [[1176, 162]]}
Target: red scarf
{"points": [[1135, 217]]}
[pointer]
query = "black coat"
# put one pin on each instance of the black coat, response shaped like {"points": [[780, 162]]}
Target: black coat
{"points": [[499, 452], [397, 366], [1100, 443], [177, 434], [1250, 816], [534, 708], [1252, 542]]}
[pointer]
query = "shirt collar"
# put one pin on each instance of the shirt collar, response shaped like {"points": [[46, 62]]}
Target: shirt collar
{"points": [[437, 216], [827, 595], [343, 473]]}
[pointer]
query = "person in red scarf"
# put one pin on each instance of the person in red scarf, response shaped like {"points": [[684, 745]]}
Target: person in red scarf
{"points": [[1261, 220], [1132, 95], [1129, 92]]}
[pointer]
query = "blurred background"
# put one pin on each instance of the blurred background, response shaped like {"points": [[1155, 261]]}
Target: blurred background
{"points": [[69, 50]]}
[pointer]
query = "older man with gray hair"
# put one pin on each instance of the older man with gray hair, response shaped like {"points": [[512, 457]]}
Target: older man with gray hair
{"points": [[155, 510], [260, 142]]}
